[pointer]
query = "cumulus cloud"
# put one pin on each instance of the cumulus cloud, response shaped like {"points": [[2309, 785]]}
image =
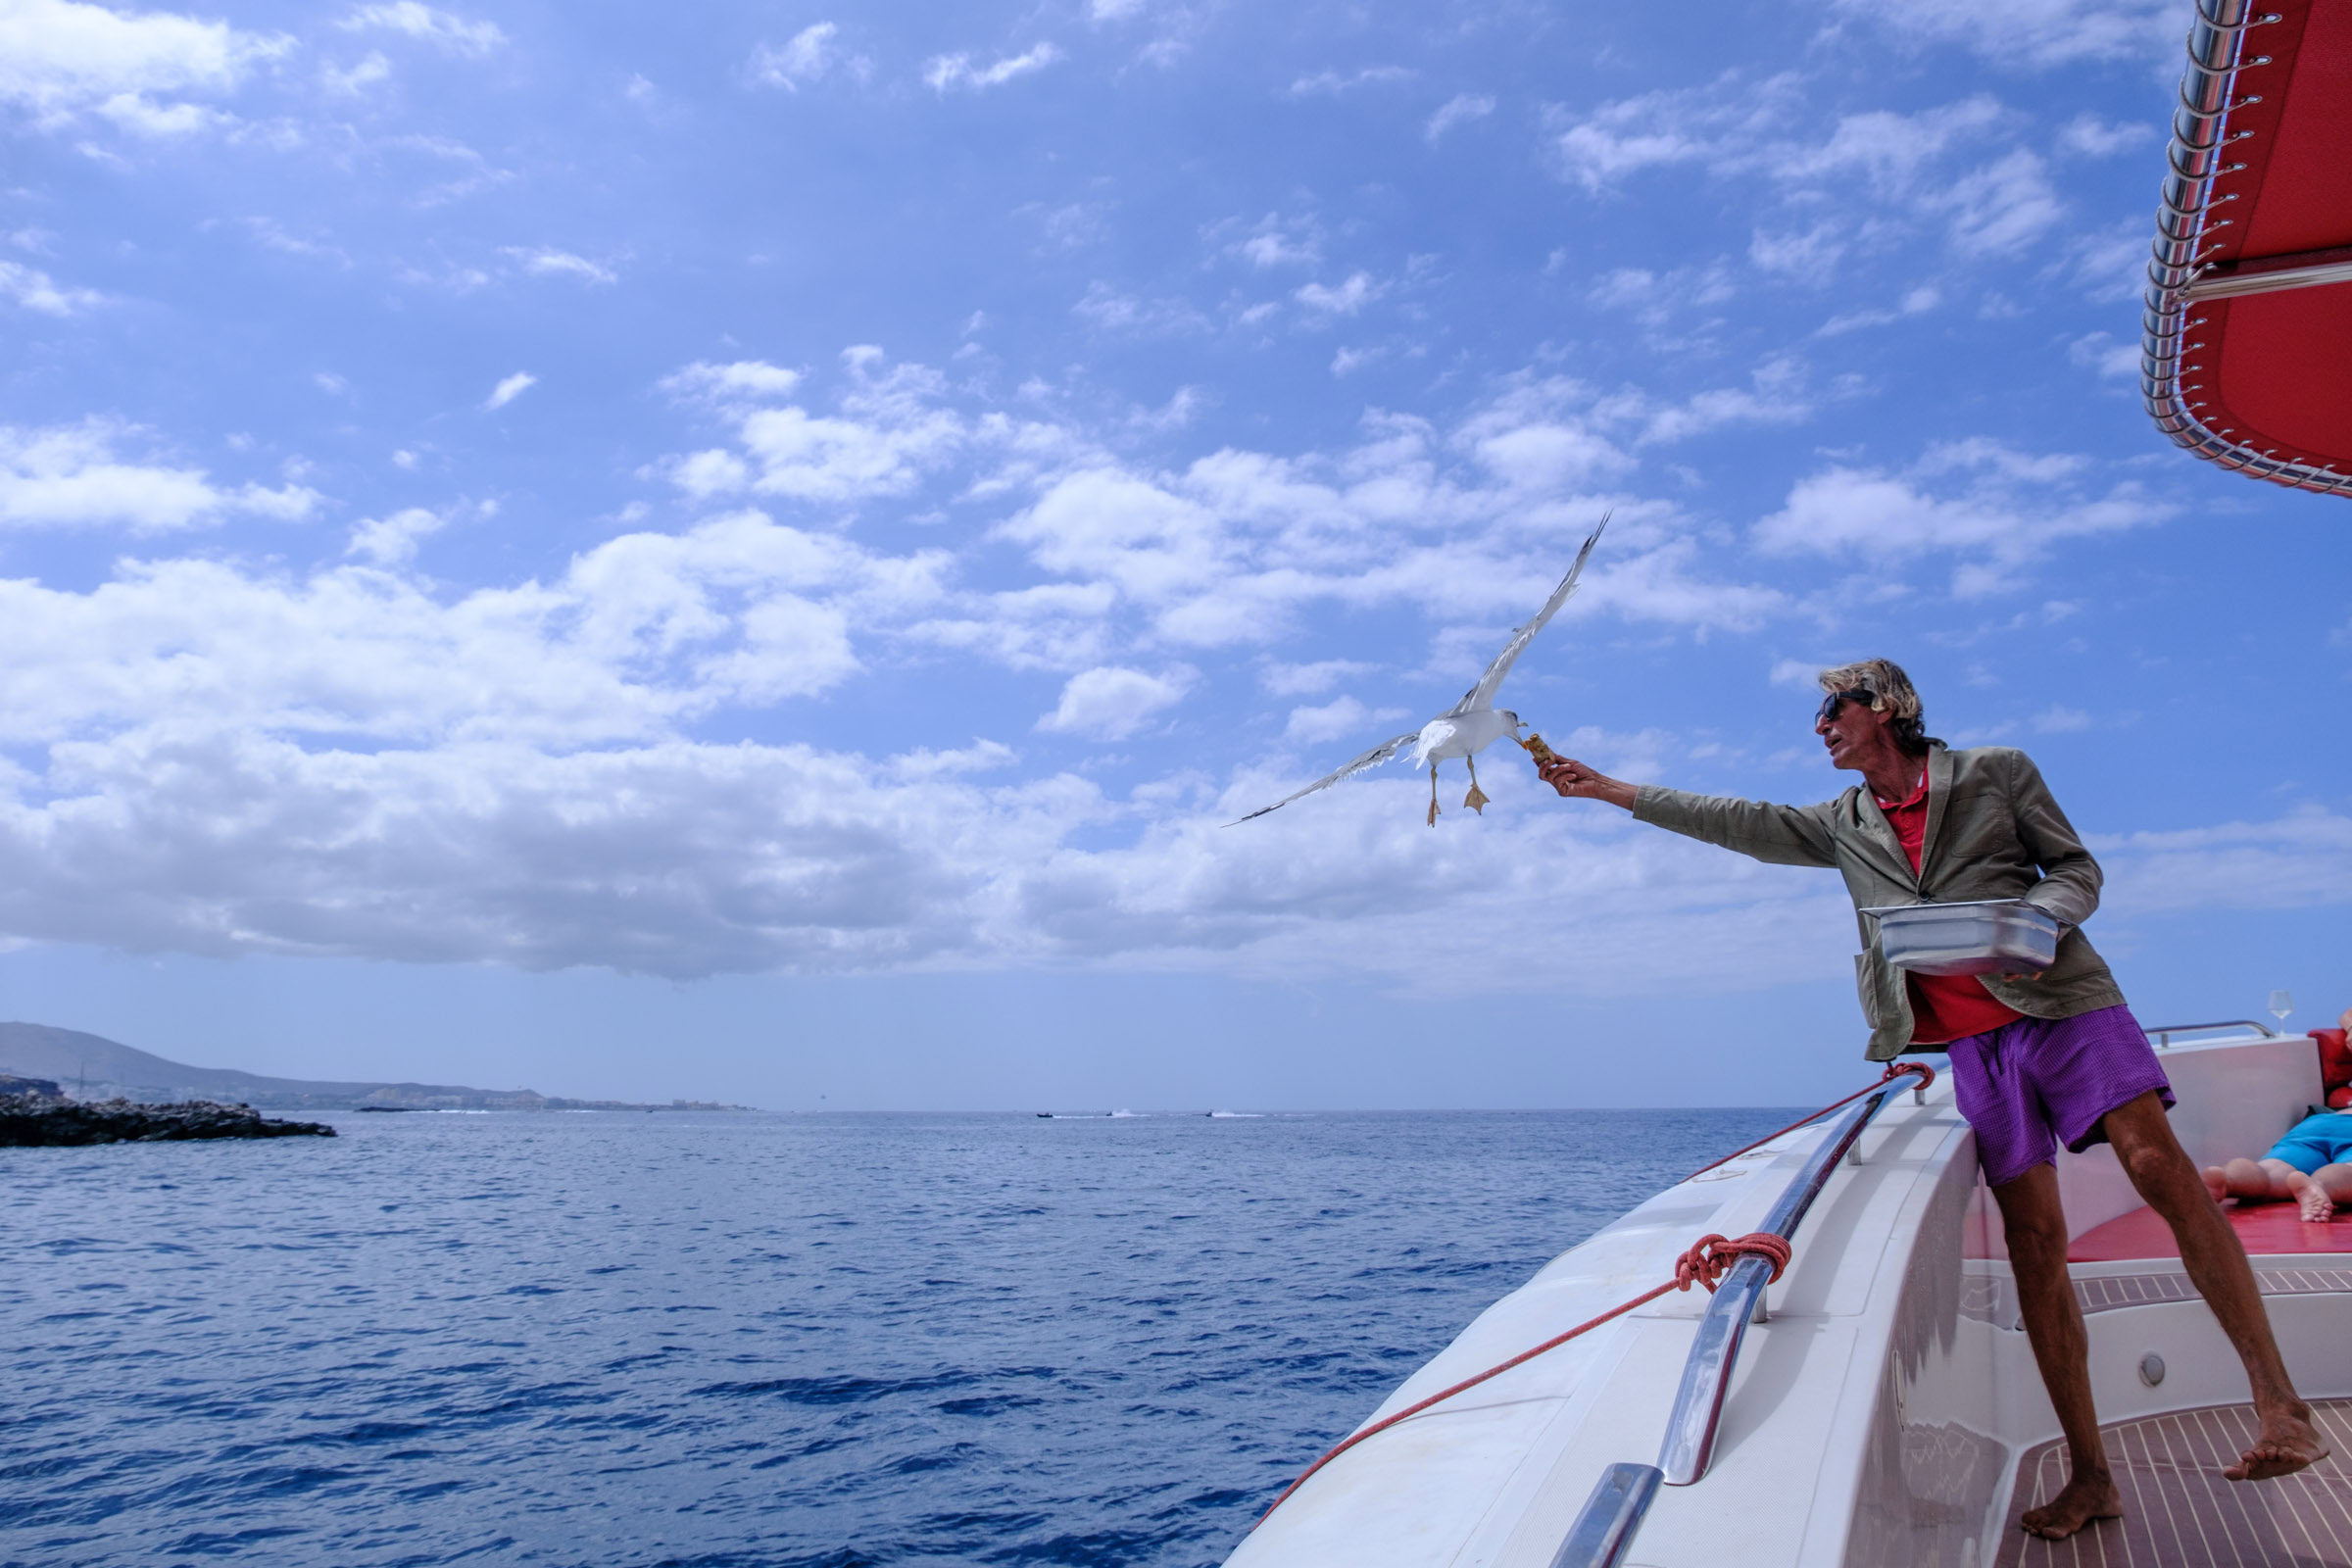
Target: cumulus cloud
{"points": [[809, 55], [392, 541], [1997, 507], [945, 73], [1112, 703], [737, 381], [888, 432], [60, 57], [445, 32], [508, 390], [35, 290], [1346, 298], [75, 477]]}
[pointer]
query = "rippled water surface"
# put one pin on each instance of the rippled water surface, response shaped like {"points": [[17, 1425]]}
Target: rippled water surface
{"points": [[790, 1342]]}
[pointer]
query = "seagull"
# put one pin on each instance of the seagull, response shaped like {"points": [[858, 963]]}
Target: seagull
{"points": [[1470, 725]]}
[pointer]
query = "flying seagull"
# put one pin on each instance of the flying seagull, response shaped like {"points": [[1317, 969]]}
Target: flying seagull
{"points": [[1470, 725]]}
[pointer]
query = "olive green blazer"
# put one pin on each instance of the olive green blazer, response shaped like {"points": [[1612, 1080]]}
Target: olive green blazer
{"points": [[1993, 832]]}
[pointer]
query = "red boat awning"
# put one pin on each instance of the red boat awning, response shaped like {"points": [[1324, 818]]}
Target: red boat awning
{"points": [[2248, 358]]}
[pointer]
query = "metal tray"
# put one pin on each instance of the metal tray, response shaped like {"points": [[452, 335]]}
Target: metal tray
{"points": [[1988, 936]]}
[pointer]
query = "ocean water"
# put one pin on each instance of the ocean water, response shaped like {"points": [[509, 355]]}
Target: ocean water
{"points": [[790, 1342]]}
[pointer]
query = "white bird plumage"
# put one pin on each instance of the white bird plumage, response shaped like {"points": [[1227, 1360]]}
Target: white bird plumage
{"points": [[1470, 725]]}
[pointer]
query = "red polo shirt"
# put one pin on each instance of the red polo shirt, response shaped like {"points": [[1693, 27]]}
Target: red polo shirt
{"points": [[1944, 1006]]}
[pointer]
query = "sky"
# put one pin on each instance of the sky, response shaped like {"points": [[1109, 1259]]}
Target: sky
{"points": [[755, 560]]}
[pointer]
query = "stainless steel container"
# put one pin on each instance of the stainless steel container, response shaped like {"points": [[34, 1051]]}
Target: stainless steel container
{"points": [[1988, 936]]}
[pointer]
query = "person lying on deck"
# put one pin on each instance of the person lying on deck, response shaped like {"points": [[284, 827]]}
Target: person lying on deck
{"points": [[2311, 1167]]}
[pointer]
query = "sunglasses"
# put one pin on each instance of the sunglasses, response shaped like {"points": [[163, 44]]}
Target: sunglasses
{"points": [[1829, 703]]}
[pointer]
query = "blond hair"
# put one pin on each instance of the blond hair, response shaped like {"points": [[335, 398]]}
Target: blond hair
{"points": [[1889, 689]]}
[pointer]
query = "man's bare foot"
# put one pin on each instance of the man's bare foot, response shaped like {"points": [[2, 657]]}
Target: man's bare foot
{"points": [[2317, 1205], [2086, 1497], [2288, 1442], [2217, 1182]]}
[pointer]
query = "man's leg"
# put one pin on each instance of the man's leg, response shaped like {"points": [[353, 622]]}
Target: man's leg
{"points": [[2216, 1264], [2035, 1226]]}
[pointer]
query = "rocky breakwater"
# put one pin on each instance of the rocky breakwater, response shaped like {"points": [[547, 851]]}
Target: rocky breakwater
{"points": [[35, 1115]]}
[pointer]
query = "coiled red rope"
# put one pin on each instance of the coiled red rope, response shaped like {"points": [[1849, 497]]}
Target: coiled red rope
{"points": [[1703, 1265]]}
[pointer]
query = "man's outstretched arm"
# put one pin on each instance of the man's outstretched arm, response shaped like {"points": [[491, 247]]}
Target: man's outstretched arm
{"points": [[1785, 835]]}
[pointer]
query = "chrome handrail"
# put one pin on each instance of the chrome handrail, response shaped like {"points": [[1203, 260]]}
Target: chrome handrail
{"points": [[2164, 1036], [1604, 1528]]}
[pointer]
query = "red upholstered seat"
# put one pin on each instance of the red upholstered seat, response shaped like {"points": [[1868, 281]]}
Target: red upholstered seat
{"points": [[2266, 1229], [2335, 1067]]}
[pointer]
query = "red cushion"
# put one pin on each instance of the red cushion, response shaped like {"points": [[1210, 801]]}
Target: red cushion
{"points": [[2335, 1058]]}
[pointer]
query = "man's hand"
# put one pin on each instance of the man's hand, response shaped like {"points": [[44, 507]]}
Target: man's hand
{"points": [[1575, 780]]}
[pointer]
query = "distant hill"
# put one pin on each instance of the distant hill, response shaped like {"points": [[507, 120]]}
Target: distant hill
{"points": [[94, 1067]]}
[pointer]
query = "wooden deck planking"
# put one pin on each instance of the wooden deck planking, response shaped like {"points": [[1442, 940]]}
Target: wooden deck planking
{"points": [[2180, 1512]]}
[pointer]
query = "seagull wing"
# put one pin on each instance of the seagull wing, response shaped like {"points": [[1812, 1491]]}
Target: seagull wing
{"points": [[1481, 695], [1371, 758]]}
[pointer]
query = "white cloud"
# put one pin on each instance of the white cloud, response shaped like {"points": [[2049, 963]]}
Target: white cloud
{"points": [[59, 58], [449, 33], [392, 541], [1342, 718], [1279, 242], [1112, 703], [742, 380], [1459, 110], [36, 290], [353, 80], [543, 263], [508, 390], [1310, 680], [1996, 507], [949, 73], [1350, 296], [2028, 34], [1917, 302], [2086, 136], [2001, 208], [1886, 172], [809, 55], [73, 476], [1332, 83], [2302, 859], [2096, 351]]}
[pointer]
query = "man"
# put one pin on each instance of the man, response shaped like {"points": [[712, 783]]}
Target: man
{"points": [[2038, 1059]]}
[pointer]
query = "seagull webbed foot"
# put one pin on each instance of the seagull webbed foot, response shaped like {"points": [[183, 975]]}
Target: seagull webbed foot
{"points": [[1476, 800]]}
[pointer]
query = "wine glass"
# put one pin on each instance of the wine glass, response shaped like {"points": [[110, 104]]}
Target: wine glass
{"points": [[2282, 1002]]}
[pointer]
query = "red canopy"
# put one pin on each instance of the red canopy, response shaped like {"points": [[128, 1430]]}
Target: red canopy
{"points": [[2247, 357]]}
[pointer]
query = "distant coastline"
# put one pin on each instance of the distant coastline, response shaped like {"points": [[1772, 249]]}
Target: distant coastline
{"points": [[92, 1067]]}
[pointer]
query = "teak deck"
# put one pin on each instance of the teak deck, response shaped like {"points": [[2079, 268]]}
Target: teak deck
{"points": [[2179, 1512]]}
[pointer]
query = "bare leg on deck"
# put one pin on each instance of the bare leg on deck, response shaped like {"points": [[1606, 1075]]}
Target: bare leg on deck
{"points": [[2216, 1264], [2035, 1226]]}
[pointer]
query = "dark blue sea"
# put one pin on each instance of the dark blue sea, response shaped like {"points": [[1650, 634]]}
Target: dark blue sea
{"points": [[790, 1342]]}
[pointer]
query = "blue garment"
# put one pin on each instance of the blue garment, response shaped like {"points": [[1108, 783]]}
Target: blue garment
{"points": [[2316, 1141]]}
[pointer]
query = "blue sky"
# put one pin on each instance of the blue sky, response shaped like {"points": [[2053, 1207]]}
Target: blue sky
{"points": [[751, 559]]}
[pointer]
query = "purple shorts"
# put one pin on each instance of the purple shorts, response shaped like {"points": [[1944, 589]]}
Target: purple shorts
{"points": [[2035, 1083]]}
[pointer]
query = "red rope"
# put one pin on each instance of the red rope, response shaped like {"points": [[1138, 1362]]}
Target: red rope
{"points": [[1703, 1265]]}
